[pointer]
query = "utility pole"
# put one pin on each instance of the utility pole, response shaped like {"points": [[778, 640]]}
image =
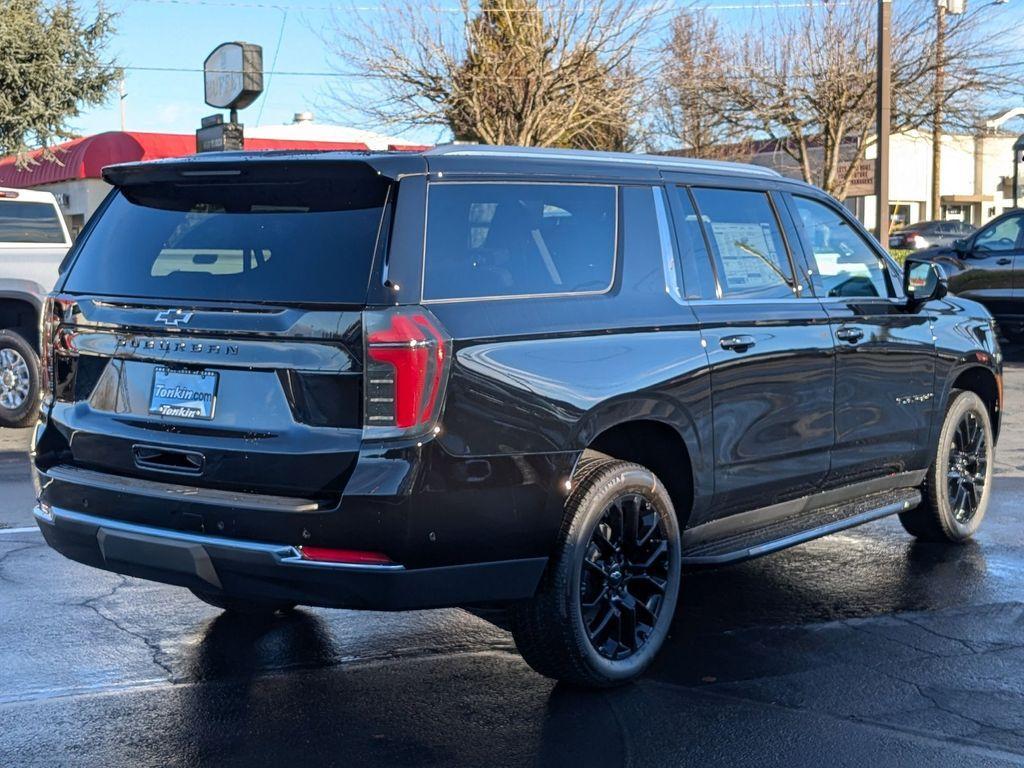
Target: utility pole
{"points": [[884, 98], [937, 95]]}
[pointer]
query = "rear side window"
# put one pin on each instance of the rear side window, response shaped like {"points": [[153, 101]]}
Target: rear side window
{"points": [[303, 241], [749, 251], [23, 222], [500, 240]]}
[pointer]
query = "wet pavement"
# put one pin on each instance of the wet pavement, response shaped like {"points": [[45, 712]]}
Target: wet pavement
{"points": [[863, 648]]}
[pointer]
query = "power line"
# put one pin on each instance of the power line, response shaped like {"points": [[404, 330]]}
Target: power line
{"points": [[457, 10], [200, 70], [368, 76], [273, 65]]}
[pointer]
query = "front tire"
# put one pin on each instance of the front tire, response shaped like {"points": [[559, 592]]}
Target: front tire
{"points": [[606, 602], [957, 489], [19, 380]]}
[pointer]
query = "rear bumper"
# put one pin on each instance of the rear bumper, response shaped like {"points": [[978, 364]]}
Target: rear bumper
{"points": [[277, 571]]}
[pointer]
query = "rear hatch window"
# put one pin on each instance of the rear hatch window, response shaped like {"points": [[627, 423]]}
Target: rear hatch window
{"points": [[289, 241]]}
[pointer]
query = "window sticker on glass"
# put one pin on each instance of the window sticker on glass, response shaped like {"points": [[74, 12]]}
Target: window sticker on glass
{"points": [[747, 243], [747, 254]]}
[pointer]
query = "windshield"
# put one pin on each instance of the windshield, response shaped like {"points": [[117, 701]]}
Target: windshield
{"points": [[293, 242]]}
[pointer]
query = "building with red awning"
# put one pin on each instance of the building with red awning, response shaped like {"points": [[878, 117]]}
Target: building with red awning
{"points": [[74, 176]]}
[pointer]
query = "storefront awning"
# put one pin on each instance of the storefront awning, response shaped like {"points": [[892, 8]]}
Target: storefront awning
{"points": [[84, 158]]}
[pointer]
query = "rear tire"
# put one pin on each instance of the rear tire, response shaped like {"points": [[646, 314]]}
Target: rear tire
{"points": [[19, 380], [956, 490], [607, 599], [244, 606]]}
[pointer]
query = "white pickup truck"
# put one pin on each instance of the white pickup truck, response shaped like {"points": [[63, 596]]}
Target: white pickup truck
{"points": [[33, 242]]}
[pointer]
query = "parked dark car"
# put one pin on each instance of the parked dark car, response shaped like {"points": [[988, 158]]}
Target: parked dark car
{"points": [[984, 266], [534, 383], [926, 234]]}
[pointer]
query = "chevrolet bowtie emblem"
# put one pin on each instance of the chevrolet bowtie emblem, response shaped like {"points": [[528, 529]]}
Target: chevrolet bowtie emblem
{"points": [[173, 317]]}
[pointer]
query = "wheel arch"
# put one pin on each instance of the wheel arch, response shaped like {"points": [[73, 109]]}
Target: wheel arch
{"points": [[660, 436], [985, 383], [20, 312]]}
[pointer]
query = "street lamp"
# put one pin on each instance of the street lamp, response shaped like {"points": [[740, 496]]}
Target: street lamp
{"points": [[942, 7], [1018, 152], [953, 8], [883, 98]]}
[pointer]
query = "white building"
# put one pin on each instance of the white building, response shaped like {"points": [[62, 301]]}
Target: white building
{"points": [[975, 175]]}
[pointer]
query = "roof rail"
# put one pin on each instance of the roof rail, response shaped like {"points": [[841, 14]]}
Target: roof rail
{"points": [[588, 156]]}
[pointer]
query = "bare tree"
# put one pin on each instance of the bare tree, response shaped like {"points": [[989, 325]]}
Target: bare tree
{"points": [[561, 73], [687, 114], [806, 81]]}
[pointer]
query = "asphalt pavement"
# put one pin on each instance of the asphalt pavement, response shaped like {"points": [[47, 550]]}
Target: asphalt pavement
{"points": [[863, 648]]}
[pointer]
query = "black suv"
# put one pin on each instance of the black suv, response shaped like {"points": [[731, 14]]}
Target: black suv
{"points": [[536, 381], [983, 267]]}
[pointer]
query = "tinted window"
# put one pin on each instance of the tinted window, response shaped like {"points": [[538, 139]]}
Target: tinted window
{"points": [[700, 281], [22, 222], [300, 242], [492, 240], [845, 263], [1001, 236], [747, 243]]}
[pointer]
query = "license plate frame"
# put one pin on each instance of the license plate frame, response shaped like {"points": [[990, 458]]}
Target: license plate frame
{"points": [[183, 394]]}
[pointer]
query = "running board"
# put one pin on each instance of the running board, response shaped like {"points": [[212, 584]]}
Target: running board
{"points": [[798, 528]]}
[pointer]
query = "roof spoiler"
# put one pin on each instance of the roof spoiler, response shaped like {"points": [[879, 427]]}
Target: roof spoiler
{"points": [[261, 166]]}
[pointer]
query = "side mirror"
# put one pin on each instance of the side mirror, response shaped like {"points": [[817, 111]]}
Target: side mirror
{"points": [[923, 281], [962, 246]]}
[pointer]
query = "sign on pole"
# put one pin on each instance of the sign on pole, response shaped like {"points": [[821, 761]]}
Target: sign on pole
{"points": [[233, 75], [232, 79]]}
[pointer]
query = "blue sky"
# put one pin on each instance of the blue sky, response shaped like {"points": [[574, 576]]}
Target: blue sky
{"points": [[180, 34]]}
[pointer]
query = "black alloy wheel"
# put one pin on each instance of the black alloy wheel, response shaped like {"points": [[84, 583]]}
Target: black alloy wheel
{"points": [[955, 493], [606, 602], [625, 573], [968, 464]]}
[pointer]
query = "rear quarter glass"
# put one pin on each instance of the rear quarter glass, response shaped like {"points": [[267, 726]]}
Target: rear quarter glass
{"points": [[504, 240], [309, 241]]}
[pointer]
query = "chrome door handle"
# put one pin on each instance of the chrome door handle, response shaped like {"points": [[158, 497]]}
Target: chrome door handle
{"points": [[737, 343], [852, 335]]}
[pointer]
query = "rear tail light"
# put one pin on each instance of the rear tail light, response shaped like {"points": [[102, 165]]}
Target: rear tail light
{"points": [[54, 339], [345, 556], [407, 360]]}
